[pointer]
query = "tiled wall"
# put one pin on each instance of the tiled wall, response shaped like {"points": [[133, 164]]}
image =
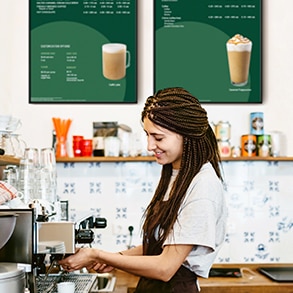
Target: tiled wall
{"points": [[259, 196]]}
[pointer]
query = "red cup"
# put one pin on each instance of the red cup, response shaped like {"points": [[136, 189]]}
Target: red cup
{"points": [[77, 145], [86, 147]]}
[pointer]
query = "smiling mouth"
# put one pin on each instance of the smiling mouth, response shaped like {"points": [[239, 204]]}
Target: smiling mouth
{"points": [[158, 154]]}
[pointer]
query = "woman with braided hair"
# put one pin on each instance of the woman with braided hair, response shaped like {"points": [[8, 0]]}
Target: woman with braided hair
{"points": [[184, 224]]}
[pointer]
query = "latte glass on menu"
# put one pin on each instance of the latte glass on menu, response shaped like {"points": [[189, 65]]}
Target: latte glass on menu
{"points": [[239, 52], [114, 60]]}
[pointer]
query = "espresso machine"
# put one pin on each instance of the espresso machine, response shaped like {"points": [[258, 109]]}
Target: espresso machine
{"points": [[30, 248], [16, 250]]}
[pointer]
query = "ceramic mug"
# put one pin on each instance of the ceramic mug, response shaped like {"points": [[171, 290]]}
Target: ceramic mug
{"points": [[66, 287], [17, 202]]}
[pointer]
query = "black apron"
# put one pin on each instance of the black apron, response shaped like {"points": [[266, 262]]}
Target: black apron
{"points": [[184, 280]]}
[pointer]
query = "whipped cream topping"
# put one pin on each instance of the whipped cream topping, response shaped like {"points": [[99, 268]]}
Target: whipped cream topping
{"points": [[239, 43]]}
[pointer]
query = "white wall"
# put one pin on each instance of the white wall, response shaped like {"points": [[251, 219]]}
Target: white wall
{"points": [[37, 124]]}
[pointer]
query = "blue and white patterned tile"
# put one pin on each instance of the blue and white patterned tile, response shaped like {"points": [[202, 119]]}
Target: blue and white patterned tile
{"points": [[259, 197]]}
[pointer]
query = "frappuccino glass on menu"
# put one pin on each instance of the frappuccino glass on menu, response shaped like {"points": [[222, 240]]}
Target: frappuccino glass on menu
{"points": [[239, 52]]}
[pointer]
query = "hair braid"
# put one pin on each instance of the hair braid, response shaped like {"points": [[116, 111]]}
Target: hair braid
{"points": [[177, 110]]}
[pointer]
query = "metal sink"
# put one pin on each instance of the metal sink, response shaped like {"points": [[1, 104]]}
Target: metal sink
{"points": [[104, 283]]}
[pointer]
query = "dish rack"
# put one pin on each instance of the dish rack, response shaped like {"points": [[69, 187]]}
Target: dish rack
{"points": [[83, 282]]}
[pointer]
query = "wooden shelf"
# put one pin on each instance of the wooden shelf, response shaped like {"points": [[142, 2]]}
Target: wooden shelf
{"points": [[151, 159], [7, 160], [105, 159], [257, 159]]}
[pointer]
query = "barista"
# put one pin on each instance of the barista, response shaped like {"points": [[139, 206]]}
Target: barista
{"points": [[184, 223]]}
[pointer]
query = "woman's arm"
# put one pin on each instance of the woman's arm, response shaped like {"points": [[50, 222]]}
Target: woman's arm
{"points": [[137, 250], [161, 267], [105, 268]]}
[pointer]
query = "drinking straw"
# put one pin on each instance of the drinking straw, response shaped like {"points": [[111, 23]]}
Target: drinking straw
{"points": [[61, 126]]}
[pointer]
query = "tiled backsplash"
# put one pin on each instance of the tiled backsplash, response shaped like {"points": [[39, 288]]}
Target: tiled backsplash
{"points": [[259, 196]]}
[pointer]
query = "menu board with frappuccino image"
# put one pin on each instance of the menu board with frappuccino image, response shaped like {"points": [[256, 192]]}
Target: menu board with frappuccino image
{"points": [[83, 51], [210, 47]]}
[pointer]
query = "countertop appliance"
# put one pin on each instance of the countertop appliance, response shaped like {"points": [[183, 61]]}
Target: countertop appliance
{"points": [[16, 251], [25, 243]]}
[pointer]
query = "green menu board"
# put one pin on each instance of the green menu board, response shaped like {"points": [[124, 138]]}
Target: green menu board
{"points": [[83, 51], [210, 47]]}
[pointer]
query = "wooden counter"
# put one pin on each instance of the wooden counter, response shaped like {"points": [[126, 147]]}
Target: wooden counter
{"points": [[251, 282]]}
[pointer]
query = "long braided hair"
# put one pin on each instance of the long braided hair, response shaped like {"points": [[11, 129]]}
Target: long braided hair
{"points": [[177, 110]]}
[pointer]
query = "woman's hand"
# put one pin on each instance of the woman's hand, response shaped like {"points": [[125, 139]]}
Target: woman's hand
{"points": [[83, 258], [89, 258], [161, 267], [102, 268]]}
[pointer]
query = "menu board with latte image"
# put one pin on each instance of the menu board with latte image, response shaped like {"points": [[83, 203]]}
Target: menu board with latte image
{"points": [[212, 48], [83, 51]]}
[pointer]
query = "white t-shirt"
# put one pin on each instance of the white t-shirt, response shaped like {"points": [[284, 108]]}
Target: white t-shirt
{"points": [[201, 220]]}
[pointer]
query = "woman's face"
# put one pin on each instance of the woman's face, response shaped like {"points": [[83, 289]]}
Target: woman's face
{"points": [[166, 145]]}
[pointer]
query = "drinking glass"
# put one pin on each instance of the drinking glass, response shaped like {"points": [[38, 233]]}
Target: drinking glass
{"points": [[27, 180], [32, 155], [10, 175], [47, 176], [18, 144], [6, 143], [28, 174]]}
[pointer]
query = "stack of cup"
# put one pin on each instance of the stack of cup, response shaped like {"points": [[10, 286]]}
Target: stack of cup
{"points": [[86, 147], [76, 145], [82, 147]]}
